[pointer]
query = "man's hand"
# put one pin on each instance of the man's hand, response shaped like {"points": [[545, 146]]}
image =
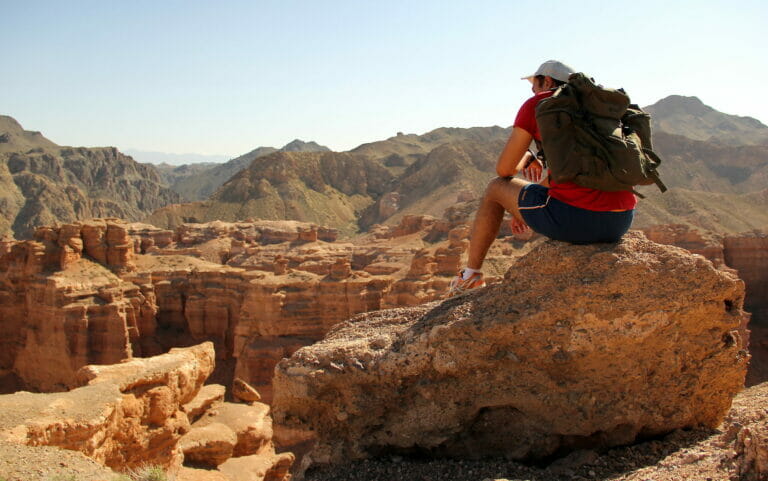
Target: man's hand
{"points": [[533, 171], [518, 226]]}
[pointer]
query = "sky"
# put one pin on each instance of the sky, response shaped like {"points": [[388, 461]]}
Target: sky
{"points": [[228, 76]]}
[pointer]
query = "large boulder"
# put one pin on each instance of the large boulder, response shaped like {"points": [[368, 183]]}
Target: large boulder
{"points": [[579, 346]]}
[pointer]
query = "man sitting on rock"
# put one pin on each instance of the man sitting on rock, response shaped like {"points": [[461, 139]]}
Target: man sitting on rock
{"points": [[561, 211]]}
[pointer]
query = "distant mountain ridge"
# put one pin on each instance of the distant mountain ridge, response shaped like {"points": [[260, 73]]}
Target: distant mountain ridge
{"points": [[714, 184], [42, 183], [173, 159], [690, 117], [327, 188], [717, 183], [201, 183]]}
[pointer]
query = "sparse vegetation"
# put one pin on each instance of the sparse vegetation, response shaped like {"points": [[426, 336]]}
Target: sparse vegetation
{"points": [[144, 473]]}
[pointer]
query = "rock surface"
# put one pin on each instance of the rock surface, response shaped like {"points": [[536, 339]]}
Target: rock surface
{"points": [[609, 343], [45, 463], [134, 413], [748, 254], [133, 405], [64, 305], [103, 290], [699, 454]]}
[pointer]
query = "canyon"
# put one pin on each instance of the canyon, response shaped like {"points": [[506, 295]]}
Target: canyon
{"points": [[230, 283], [110, 292], [104, 290]]}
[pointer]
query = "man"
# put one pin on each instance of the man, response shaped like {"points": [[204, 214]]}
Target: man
{"points": [[560, 211]]}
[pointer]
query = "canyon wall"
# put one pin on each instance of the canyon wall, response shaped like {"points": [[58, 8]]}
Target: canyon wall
{"points": [[104, 290], [748, 254]]}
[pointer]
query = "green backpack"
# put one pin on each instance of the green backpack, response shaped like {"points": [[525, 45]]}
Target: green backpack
{"points": [[594, 137]]}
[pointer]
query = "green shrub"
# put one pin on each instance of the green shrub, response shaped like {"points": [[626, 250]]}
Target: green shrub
{"points": [[145, 473]]}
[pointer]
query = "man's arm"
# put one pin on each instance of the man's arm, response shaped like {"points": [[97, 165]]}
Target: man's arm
{"points": [[515, 153]]}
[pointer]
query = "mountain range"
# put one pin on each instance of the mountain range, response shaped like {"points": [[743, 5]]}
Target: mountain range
{"points": [[715, 164], [42, 183], [198, 182]]}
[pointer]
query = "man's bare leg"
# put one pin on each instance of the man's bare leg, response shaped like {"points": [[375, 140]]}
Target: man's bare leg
{"points": [[500, 195]]}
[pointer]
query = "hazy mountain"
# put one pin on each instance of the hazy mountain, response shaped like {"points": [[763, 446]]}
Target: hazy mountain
{"points": [[711, 184], [715, 164], [328, 188], [199, 184], [709, 166], [690, 117], [399, 152], [149, 157], [42, 183], [300, 146], [172, 174]]}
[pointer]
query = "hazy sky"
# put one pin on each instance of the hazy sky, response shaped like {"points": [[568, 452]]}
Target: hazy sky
{"points": [[225, 77]]}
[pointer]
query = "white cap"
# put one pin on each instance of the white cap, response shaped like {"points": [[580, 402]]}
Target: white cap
{"points": [[552, 68]]}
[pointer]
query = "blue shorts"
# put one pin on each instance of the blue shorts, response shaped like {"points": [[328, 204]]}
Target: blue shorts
{"points": [[560, 221]]}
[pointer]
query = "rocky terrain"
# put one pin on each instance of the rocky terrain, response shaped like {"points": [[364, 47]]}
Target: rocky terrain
{"points": [[136, 413], [42, 183], [612, 343], [189, 284], [103, 290], [734, 450]]}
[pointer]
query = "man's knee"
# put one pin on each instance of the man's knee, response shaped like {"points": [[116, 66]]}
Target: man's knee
{"points": [[497, 185], [503, 188]]}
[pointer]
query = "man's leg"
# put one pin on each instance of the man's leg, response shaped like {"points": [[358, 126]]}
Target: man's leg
{"points": [[500, 195]]}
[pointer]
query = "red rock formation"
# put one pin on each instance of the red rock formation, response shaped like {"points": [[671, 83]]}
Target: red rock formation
{"points": [[748, 254], [278, 291], [62, 310], [610, 342], [680, 235], [134, 413], [135, 404]]}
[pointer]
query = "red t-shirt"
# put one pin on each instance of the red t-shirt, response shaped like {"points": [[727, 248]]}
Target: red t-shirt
{"points": [[569, 192]]}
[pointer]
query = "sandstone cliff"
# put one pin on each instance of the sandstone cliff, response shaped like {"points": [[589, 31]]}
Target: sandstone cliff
{"points": [[608, 343], [64, 305], [748, 254], [45, 183], [103, 291], [138, 413]]}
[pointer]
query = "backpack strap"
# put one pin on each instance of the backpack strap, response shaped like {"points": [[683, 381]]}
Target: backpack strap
{"points": [[540, 153], [653, 175]]}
